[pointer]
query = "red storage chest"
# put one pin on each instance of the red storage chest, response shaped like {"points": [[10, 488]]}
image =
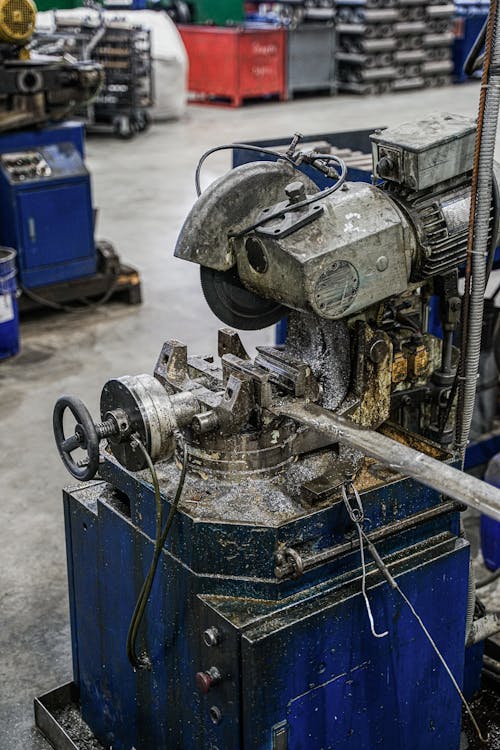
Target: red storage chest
{"points": [[235, 63]]}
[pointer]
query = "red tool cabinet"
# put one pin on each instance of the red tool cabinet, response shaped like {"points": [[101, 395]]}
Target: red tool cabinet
{"points": [[235, 63]]}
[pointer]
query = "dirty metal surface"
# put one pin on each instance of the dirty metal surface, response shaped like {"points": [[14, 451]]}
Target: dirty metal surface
{"points": [[486, 710]]}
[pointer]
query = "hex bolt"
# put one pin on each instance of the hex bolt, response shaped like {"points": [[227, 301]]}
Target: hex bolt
{"points": [[212, 637], [296, 191]]}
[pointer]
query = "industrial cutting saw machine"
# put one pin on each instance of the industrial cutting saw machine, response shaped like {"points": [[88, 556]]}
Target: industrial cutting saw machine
{"points": [[266, 552]]}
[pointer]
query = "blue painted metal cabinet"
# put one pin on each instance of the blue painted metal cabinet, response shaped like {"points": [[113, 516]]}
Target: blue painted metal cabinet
{"points": [[300, 668], [47, 216]]}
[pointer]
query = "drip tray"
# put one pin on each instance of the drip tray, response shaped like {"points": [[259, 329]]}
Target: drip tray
{"points": [[58, 717]]}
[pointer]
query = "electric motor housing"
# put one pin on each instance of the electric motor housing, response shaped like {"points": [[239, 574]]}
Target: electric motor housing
{"points": [[17, 21], [340, 253]]}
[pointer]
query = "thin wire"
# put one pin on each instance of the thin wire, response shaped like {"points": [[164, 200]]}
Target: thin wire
{"points": [[394, 585], [142, 661], [357, 516], [443, 662], [363, 587]]}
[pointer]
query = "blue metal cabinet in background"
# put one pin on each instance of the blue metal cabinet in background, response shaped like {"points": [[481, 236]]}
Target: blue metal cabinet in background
{"points": [[46, 209]]}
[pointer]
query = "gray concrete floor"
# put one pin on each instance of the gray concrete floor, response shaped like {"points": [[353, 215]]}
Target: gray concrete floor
{"points": [[143, 189]]}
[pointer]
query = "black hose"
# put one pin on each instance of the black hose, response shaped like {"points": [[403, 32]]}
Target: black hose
{"points": [[232, 147], [293, 207], [142, 661]]}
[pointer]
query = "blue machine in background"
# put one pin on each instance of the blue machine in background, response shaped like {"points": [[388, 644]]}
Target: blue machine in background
{"points": [[46, 209], [469, 19]]}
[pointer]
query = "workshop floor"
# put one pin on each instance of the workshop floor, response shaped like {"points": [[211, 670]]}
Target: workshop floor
{"points": [[144, 189]]}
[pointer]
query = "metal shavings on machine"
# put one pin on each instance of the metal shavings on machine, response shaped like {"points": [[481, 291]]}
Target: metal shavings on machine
{"points": [[258, 584]]}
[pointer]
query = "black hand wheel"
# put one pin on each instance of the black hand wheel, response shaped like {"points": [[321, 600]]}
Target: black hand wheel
{"points": [[85, 437]]}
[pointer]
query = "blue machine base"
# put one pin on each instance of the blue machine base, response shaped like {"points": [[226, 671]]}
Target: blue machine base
{"points": [[301, 669]]}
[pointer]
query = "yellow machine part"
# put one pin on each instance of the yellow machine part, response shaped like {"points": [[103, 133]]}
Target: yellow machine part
{"points": [[17, 21]]}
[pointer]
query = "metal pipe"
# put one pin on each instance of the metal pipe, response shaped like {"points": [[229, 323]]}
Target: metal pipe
{"points": [[483, 628], [398, 457], [479, 223], [286, 568]]}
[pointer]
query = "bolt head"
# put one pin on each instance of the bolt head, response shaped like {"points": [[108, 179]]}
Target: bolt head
{"points": [[382, 263], [211, 637], [296, 191]]}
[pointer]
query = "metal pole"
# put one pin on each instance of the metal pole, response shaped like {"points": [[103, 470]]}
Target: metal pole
{"points": [[398, 457]]}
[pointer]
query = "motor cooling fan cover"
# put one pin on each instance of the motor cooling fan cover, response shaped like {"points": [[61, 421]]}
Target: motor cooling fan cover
{"points": [[17, 20]]}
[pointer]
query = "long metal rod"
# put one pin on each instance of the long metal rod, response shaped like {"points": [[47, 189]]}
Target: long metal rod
{"points": [[398, 457]]}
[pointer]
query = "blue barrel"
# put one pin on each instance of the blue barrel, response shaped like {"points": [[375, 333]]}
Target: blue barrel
{"points": [[9, 314], [490, 529]]}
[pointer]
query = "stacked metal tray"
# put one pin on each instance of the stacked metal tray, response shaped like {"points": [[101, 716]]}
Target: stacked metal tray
{"points": [[393, 45]]}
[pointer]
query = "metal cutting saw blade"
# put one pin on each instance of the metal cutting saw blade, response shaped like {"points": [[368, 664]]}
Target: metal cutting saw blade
{"points": [[227, 206]]}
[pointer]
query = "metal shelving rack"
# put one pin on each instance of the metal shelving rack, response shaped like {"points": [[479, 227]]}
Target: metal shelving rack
{"points": [[394, 45], [124, 52], [125, 55]]}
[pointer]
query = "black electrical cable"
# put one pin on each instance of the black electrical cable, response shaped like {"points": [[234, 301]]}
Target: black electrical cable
{"points": [[293, 207], [232, 147], [142, 661], [303, 204], [85, 304]]}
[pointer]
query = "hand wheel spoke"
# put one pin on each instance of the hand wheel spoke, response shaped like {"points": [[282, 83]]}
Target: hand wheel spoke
{"points": [[70, 444]]}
